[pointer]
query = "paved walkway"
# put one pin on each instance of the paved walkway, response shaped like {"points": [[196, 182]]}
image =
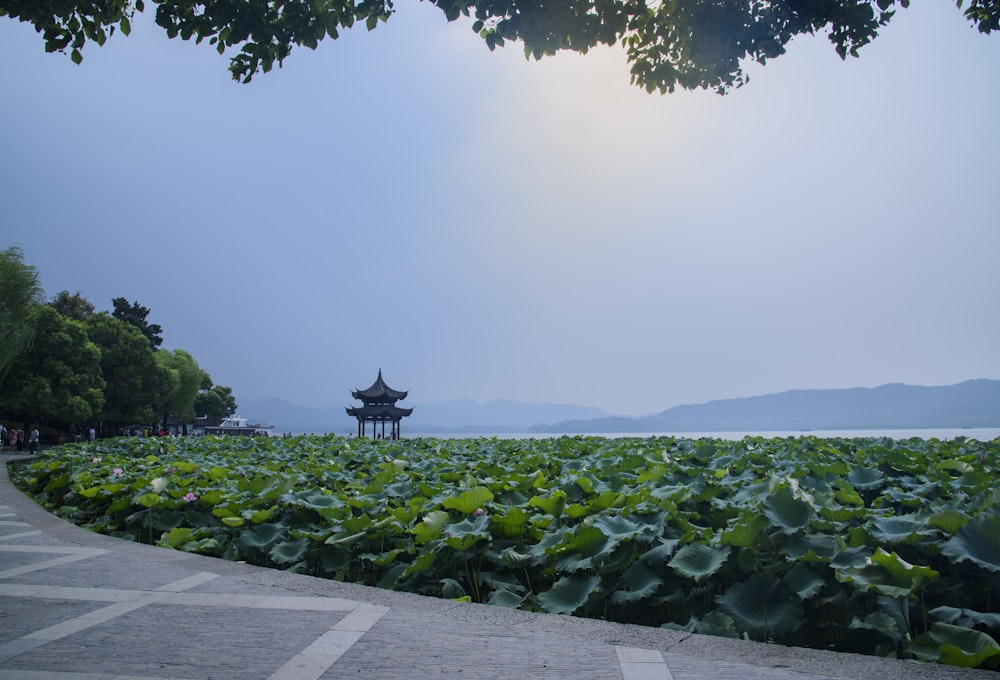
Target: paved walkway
{"points": [[75, 605]]}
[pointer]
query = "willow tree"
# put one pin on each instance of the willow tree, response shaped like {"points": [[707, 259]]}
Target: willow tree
{"points": [[670, 43], [20, 295], [183, 380]]}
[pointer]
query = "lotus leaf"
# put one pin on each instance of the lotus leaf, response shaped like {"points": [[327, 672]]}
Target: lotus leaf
{"points": [[568, 594], [882, 623], [956, 646], [866, 479], [966, 617], [948, 520], [805, 580], [661, 553], [640, 582], [787, 512], [261, 538], [699, 561], [716, 623], [463, 535], [175, 537], [762, 606], [616, 527], [582, 549], [452, 589], [553, 505], [505, 598], [902, 529], [290, 551], [744, 530], [978, 541], [889, 574], [512, 524], [148, 500]]}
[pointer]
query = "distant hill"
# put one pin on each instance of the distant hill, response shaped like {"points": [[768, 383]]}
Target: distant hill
{"points": [[974, 403], [498, 415], [289, 417], [453, 416]]}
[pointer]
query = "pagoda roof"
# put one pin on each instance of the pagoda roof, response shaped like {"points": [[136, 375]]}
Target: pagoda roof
{"points": [[379, 391], [385, 411]]}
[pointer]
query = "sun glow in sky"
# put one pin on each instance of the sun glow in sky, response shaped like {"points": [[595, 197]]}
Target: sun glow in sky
{"points": [[479, 225]]}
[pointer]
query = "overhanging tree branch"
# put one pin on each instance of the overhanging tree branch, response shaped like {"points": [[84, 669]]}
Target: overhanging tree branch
{"points": [[689, 44]]}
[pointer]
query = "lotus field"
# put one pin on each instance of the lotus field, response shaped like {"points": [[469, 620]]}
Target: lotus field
{"points": [[866, 545]]}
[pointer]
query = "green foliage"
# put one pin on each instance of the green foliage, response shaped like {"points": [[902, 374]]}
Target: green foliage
{"points": [[74, 306], [133, 379], [182, 380], [135, 314], [863, 545], [20, 294], [59, 378], [214, 401], [682, 43]]}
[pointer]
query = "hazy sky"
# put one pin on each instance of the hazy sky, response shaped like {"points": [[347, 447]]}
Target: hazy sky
{"points": [[478, 225]]}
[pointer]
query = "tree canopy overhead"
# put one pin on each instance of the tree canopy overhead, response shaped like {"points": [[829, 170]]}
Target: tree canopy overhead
{"points": [[670, 43]]}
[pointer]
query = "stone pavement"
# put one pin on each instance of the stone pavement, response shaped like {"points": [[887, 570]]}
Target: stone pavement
{"points": [[75, 605]]}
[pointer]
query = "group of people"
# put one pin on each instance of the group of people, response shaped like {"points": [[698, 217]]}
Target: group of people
{"points": [[90, 433], [14, 440]]}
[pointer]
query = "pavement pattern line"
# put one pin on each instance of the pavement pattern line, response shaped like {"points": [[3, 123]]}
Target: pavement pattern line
{"points": [[313, 661], [67, 555], [184, 599], [642, 664], [37, 638]]}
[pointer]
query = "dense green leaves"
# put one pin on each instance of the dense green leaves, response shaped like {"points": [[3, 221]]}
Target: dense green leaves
{"points": [[59, 377], [865, 545], [683, 43], [20, 293]]}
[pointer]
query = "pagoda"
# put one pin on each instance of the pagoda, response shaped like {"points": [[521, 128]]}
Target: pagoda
{"points": [[379, 407]]}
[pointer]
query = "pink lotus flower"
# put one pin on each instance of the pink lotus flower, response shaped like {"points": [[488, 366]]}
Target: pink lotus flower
{"points": [[95, 460], [190, 497], [479, 511], [117, 472]]}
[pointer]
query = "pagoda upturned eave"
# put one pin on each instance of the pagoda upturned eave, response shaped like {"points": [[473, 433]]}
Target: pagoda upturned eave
{"points": [[379, 392]]}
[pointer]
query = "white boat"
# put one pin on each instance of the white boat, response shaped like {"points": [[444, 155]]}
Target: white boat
{"points": [[235, 424]]}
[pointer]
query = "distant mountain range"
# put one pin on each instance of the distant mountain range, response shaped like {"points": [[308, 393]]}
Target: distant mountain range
{"points": [[974, 403]]}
